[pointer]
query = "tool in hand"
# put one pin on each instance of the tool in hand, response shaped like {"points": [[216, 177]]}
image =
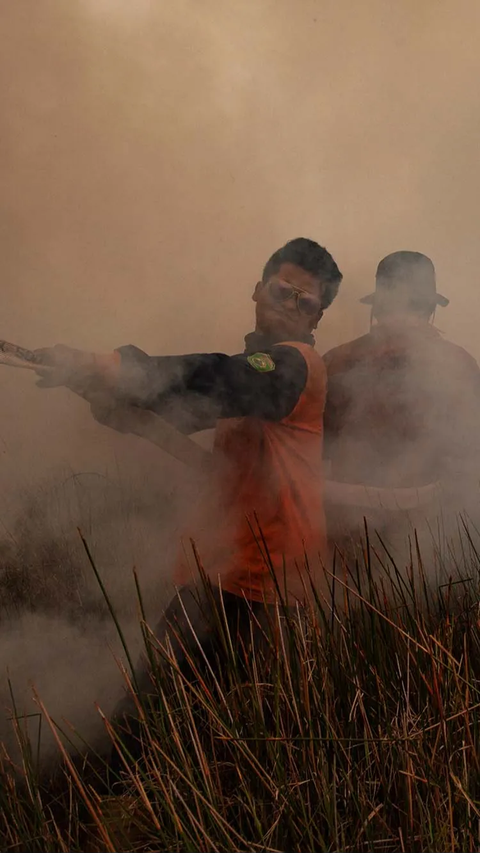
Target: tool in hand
{"points": [[124, 418], [15, 356]]}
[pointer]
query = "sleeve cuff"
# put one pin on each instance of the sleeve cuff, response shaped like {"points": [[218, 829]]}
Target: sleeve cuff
{"points": [[107, 365]]}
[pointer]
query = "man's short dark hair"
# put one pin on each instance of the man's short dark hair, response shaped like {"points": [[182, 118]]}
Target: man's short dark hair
{"points": [[312, 258]]}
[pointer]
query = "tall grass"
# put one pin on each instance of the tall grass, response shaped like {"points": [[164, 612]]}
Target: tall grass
{"points": [[357, 730]]}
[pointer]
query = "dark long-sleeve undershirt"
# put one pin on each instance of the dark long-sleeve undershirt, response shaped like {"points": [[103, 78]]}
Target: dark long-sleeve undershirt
{"points": [[193, 391]]}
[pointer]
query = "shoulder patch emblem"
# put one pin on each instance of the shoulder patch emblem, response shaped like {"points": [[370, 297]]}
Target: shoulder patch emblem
{"points": [[261, 361]]}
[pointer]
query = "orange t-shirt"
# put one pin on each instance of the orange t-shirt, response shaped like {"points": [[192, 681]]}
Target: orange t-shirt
{"points": [[264, 506]]}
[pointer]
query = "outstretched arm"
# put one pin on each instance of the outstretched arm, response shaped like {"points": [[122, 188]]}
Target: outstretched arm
{"points": [[192, 391]]}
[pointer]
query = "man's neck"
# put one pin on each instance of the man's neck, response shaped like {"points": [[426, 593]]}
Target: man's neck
{"points": [[404, 323], [257, 340]]}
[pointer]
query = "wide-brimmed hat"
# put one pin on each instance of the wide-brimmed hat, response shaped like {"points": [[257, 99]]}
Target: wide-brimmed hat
{"points": [[411, 272]]}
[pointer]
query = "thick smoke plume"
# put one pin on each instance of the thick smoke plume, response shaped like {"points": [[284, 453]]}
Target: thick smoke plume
{"points": [[153, 156]]}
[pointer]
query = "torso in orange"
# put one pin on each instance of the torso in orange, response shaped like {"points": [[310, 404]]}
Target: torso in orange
{"points": [[262, 518]]}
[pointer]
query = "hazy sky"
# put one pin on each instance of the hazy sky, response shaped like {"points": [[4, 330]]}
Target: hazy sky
{"points": [[154, 154]]}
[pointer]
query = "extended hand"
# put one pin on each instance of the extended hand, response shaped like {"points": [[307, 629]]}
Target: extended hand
{"points": [[62, 365]]}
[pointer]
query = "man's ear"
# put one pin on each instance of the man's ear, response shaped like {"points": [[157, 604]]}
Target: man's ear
{"points": [[318, 317], [258, 287]]}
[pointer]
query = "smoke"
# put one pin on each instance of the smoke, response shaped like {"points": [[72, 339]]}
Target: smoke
{"points": [[153, 156]]}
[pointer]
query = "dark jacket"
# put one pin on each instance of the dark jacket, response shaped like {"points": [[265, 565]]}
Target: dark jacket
{"points": [[194, 391]]}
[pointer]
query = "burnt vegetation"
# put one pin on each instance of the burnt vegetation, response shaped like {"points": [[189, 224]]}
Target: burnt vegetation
{"points": [[360, 732]]}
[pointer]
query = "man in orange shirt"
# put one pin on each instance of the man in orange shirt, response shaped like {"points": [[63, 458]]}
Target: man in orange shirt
{"points": [[263, 514]]}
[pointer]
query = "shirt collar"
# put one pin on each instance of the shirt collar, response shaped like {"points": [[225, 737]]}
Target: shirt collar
{"points": [[406, 329], [256, 342]]}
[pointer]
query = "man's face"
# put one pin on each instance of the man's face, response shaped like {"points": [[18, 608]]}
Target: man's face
{"points": [[288, 304]]}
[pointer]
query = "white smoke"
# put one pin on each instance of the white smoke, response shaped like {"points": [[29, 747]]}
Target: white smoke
{"points": [[155, 154]]}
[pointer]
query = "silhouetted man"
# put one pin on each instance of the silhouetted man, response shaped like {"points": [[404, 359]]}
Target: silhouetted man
{"points": [[402, 408]]}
